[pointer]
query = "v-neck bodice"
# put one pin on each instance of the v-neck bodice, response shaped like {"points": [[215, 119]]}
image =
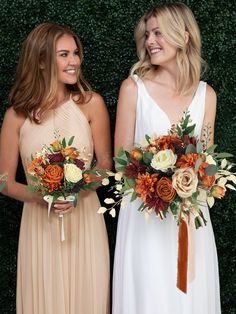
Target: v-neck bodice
{"points": [[151, 119]]}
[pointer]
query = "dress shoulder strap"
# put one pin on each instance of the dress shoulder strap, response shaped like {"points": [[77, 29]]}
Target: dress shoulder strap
{"points": [[200, 94]]}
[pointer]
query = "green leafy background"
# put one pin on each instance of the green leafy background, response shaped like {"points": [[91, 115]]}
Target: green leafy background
{"points": [[106, 30]]}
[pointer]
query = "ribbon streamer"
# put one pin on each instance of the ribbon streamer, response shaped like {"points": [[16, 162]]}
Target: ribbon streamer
{"points": [[49, 200], [182, 256]]}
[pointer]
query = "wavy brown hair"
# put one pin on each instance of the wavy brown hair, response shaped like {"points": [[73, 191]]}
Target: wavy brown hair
{"points": [[174, 20], [35, 87]]}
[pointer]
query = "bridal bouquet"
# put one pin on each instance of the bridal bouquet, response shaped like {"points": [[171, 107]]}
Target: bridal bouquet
{"points": [[175, 174], [58, 172]]}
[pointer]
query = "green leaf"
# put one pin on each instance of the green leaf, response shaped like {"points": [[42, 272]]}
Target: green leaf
{"points": [[141, 207], [63, 143], [211, 170], [199, 147], [127, 155], [130, 182], [120, 161], [190, 149], [147, 157], [71, 140], [119, 168], [2, 185], [134, 196], [211, 149], [147, 137], [120, 152], [224, 155], [33, 179], [179, 130], [198, 164], [198, 222], [189, 129], [185, 122], [75, 201]]}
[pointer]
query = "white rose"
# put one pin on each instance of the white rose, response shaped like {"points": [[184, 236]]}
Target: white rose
{"points": [[163, 160], [72, 173]]}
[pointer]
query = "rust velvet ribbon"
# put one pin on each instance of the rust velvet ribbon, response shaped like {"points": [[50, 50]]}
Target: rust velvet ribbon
{"points": [[182, 267]]}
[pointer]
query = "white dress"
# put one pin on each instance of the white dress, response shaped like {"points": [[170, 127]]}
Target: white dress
{"points": [[145, 267]]}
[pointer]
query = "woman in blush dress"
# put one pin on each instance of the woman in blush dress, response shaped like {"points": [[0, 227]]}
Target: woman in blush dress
{"points": [[50, 95], [163, 84]]}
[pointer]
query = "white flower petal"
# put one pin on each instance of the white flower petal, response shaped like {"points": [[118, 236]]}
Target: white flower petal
{"points": [[119, 187], [210, 160], [112, 212], [105, 181], [210, 201], [223, 163], [110, 173], [118, 176], [232, 178], [102, 210], [231, 187], [222, 181], [109, 201]]}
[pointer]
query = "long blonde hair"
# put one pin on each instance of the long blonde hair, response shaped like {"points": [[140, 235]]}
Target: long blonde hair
{"points": [[35, 88], [174, 20]]}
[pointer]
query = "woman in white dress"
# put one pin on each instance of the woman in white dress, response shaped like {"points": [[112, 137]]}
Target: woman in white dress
{"points": [[163, 84]]}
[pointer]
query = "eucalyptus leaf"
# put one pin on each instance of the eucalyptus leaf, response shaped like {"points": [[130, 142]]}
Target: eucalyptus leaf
{"points": [[130, 182], [211, 170], [198, 164], [190, 149], [199, 147]]}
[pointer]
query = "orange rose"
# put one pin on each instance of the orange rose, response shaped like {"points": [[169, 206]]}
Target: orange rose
{"points": [[218, 191], [168, 142], [136, 153], [208, 181], [53, 174], [70, 152], [165, 189], [87, 178]]}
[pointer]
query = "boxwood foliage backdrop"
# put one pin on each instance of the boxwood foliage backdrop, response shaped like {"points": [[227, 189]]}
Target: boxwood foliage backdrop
{"points": [[106, 30]]}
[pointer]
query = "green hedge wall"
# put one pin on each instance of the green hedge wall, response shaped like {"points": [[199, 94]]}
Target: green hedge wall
{"points": [[106, 30]]}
